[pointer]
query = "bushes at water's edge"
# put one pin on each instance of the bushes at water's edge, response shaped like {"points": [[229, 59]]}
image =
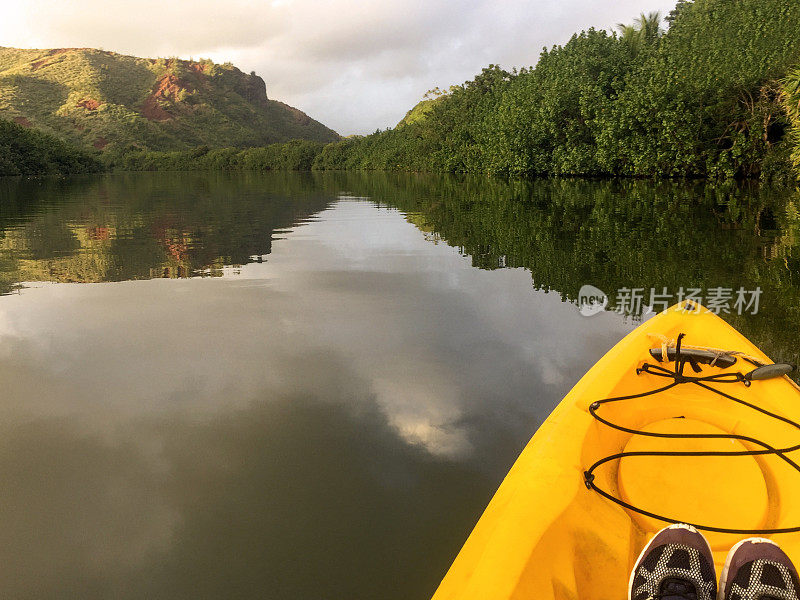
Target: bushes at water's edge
{"points": [[297, 155], [26, 151]]}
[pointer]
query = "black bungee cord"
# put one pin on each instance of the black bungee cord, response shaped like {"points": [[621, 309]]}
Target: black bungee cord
{"points": [[678, 377]]}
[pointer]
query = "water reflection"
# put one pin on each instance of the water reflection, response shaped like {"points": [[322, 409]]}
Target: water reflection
{"points": [[291, 495], [120, 227], [328, 415], [625, 234]]}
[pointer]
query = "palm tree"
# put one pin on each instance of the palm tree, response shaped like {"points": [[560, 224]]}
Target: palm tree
{"points": [[649, 26], [646, 30]]}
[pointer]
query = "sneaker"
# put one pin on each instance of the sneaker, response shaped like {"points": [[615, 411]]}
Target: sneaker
{"points": [[677, 564], [757, 569]]}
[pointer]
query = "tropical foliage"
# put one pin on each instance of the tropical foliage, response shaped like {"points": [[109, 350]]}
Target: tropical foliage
{"points": [[28, 152], [297, 155]]}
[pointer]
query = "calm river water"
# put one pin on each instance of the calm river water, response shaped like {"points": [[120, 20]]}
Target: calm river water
{"points": [[308, 386]]}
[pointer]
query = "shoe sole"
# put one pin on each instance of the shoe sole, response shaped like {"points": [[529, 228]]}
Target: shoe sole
{"points": [[723, 580], [650, 543]]}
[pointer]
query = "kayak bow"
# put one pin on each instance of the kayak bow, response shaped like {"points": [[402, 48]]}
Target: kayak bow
{"points": [[714, 446]]}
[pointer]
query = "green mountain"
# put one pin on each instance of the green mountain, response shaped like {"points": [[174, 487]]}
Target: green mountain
{"points": [[110, 101]]}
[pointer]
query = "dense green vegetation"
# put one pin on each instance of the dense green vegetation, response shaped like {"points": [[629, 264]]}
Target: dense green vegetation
{"points": [[791, 100], [699, 100], [297, 155], [94, 98], [29, 152]]}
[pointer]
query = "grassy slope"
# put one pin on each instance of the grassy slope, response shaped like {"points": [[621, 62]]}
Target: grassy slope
{"points": [[100, 99], [419, 111]]}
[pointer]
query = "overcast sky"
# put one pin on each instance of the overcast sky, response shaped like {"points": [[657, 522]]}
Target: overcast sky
{"points": [[355, 65]]}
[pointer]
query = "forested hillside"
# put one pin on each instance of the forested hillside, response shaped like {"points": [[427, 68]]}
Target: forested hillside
{"points": [[113, 102]]}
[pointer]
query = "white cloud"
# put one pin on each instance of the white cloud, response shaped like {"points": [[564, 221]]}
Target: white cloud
{"points": [[356, 65]]}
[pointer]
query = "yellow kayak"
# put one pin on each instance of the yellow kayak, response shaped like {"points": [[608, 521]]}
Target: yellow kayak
{"points": [[563, 526]]}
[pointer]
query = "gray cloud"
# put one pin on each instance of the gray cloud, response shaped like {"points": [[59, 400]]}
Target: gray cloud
{"points": [[353, 64]]}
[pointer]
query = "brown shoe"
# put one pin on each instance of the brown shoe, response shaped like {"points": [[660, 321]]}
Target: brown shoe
{"points": [[757, 569], [676, 564]]}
